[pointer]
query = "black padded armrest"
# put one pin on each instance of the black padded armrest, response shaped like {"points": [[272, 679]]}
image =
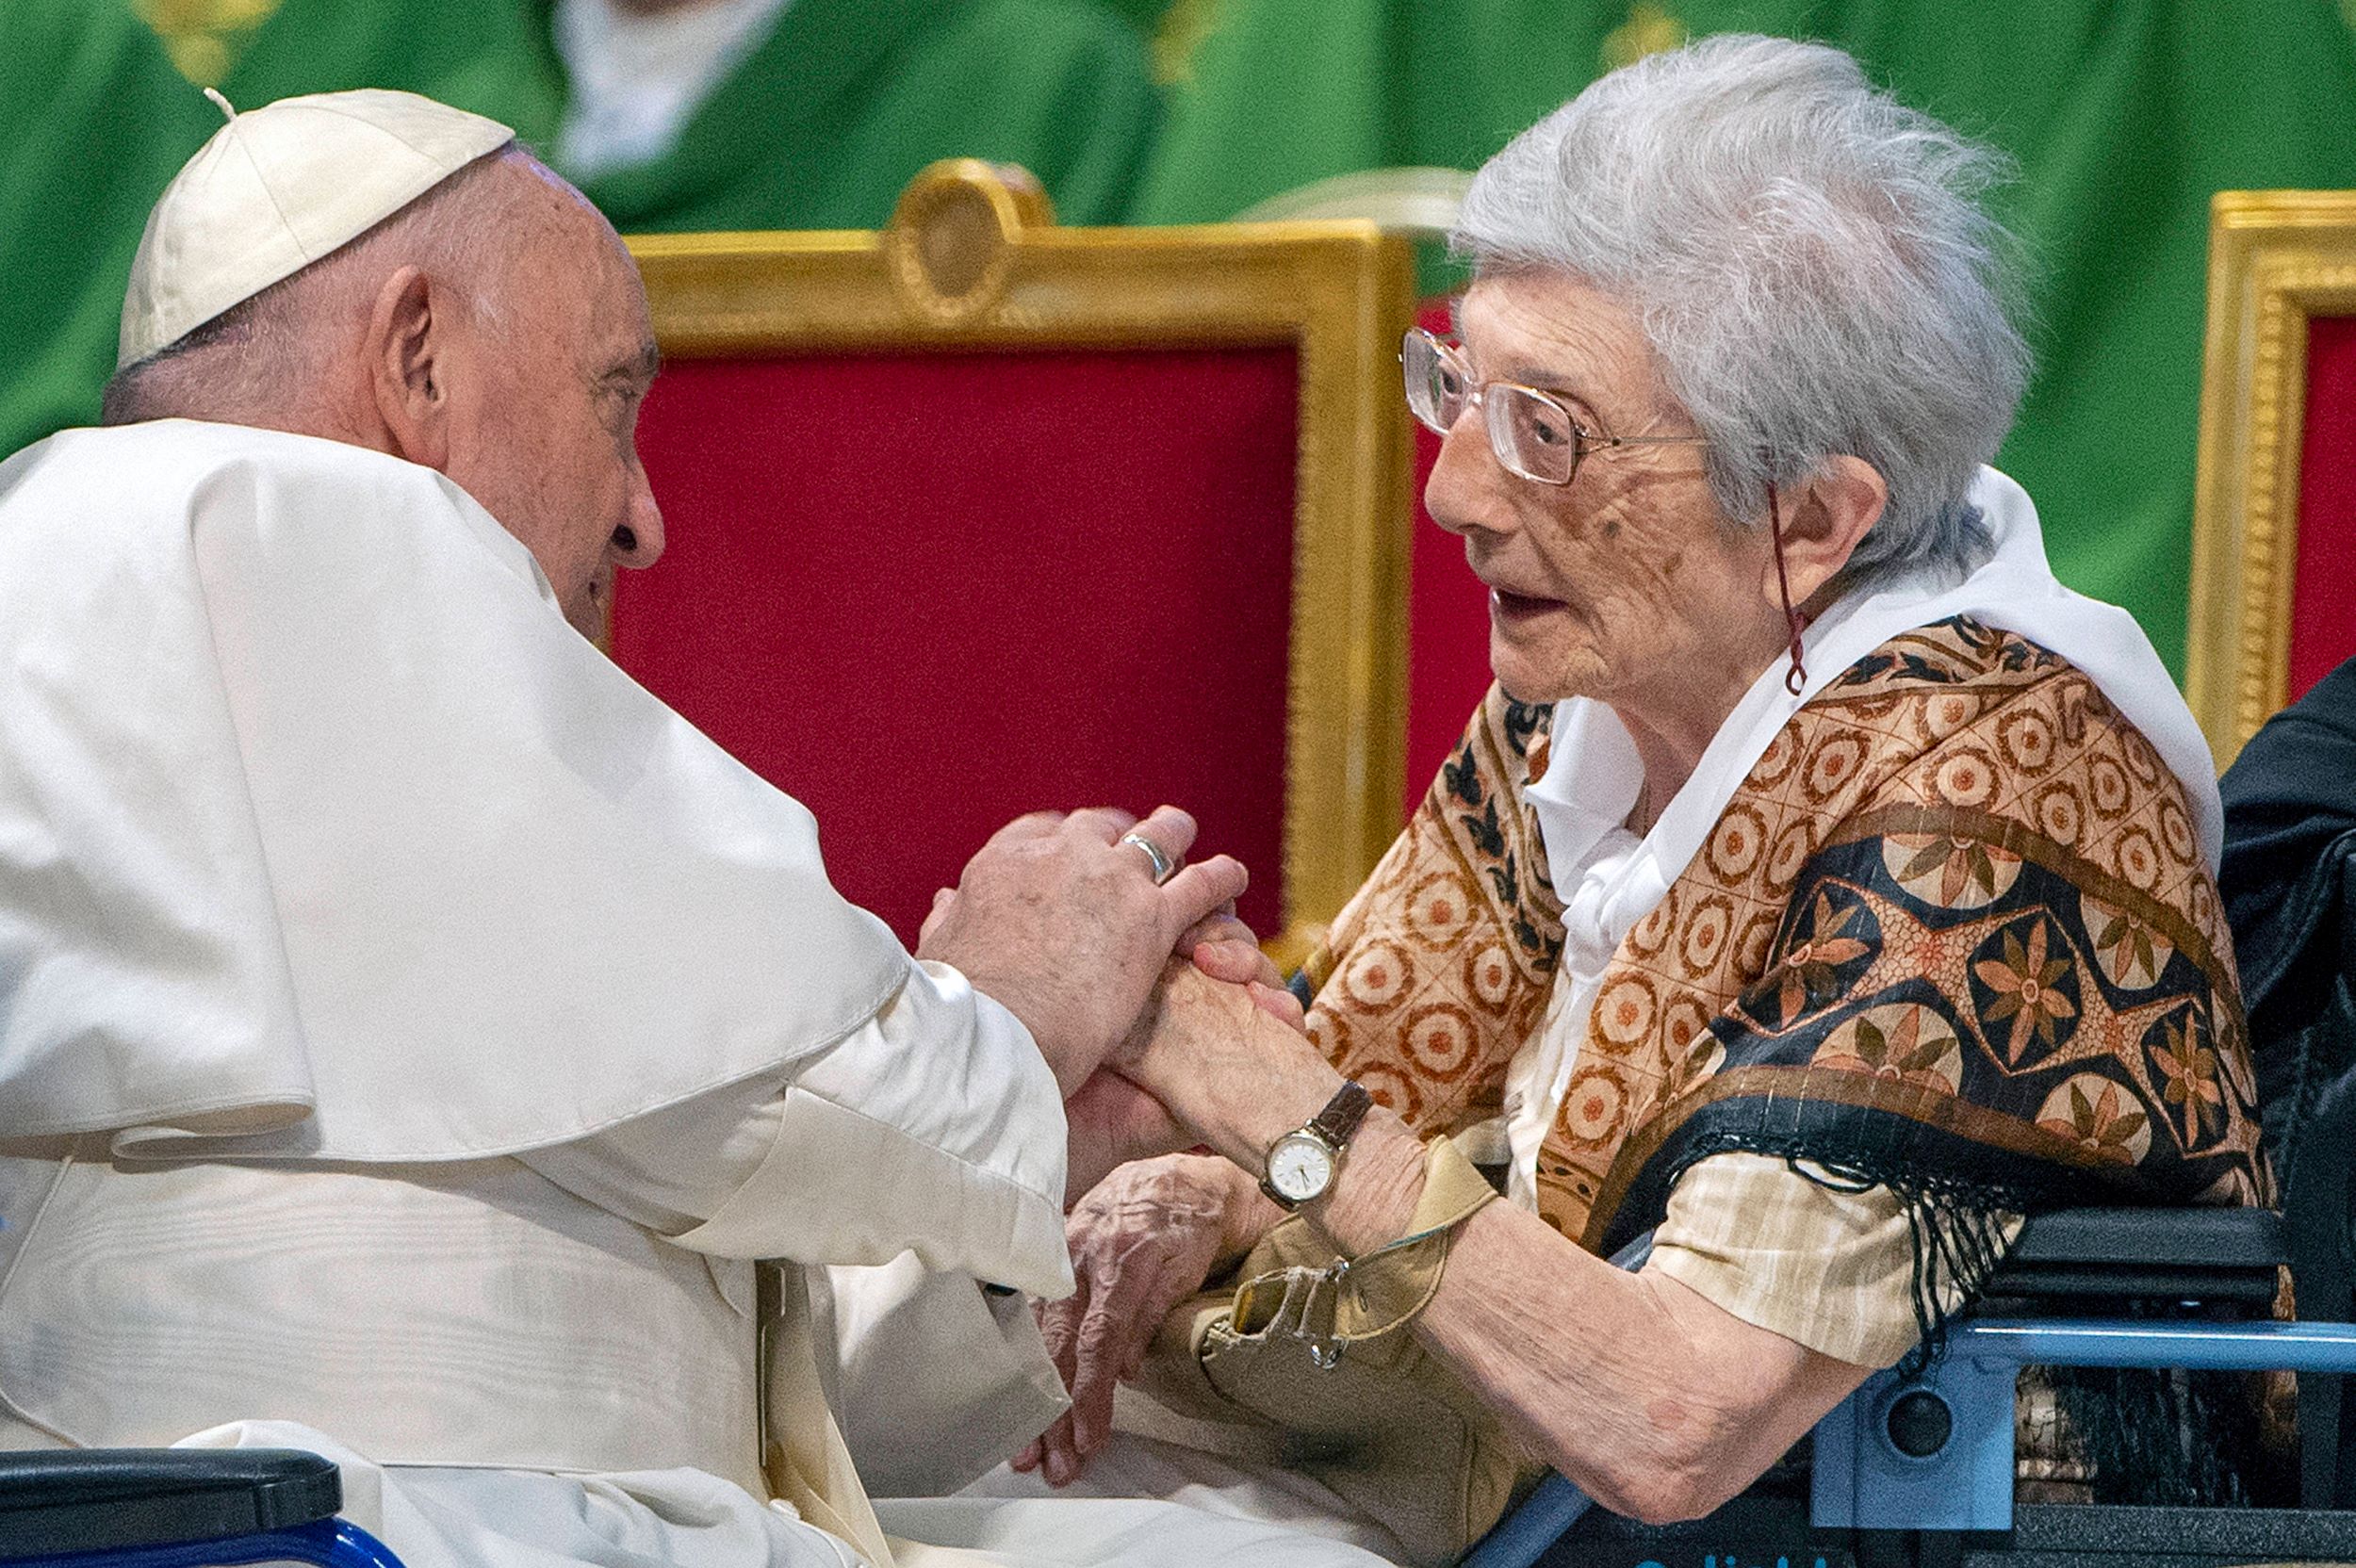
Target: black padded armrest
{"points": [[2208, 1238], [104, 1499], [2171, 1254]]}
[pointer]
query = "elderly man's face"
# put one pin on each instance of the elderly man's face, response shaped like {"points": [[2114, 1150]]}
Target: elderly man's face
{"points": [[547, 438], [1625, 583]]}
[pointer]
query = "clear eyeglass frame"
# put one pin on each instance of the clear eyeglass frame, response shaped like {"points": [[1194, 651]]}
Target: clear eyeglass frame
{"points": [[1531, 431]]}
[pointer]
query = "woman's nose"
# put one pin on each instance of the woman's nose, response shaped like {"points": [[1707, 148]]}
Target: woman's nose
{"points": [[1462, 494]]}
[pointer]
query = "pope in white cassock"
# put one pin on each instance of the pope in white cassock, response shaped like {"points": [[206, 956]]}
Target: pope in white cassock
{"points": [[411, 1032]]}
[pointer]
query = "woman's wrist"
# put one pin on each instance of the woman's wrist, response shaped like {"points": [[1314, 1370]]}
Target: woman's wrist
{"points": [[1257, 1107], [1373, 1197], [1249, 1215]]}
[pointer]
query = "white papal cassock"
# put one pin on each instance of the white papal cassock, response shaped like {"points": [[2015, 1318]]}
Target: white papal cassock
{"points": [[411, 1031]]}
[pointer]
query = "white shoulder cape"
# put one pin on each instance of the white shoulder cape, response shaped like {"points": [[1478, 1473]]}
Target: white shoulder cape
{"points": [[323, 836]]}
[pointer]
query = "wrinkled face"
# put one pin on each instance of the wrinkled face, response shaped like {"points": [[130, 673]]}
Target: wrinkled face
{"points": [[547, 442], [1627, 583]]}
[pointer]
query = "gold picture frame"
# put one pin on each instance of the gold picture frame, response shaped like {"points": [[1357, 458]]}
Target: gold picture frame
{"points": [[973, 259], [2275, 259]]}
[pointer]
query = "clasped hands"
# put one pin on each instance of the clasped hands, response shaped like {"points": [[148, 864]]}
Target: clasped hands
{"points": [[1059, 920], [1166, 1026]]}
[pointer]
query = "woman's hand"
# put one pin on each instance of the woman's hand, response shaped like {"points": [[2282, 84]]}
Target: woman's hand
{"points": [[1113, 1122], [1228, 1061], [1222, 955], [1145, 1239]]}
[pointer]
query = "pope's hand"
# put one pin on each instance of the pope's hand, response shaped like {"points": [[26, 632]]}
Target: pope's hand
{"points": [[1060, 922], [1143, 1241]]}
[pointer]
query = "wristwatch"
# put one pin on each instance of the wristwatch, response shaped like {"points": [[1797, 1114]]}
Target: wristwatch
{"points": [[1300, 1165]]}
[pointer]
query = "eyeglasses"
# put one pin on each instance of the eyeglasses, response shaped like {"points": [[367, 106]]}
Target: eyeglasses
{"points": [[1530, 430]]}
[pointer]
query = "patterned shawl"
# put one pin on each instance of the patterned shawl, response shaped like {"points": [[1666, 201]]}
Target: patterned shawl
{"points": [[1953, 934]]}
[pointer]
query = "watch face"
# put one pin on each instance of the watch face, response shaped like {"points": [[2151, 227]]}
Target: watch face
{"points": [[1300, 1167]]}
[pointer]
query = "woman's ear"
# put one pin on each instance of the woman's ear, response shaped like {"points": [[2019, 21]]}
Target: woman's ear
{"points": [[1824, 518], [407, 363]]}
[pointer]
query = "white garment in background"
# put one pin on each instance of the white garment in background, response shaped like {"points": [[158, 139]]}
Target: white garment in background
{"points": [[410, 1030], [632, 82]]}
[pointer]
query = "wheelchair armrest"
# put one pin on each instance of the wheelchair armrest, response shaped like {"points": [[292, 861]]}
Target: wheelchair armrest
{"points": [[109, 1499], [2210, 1255]]}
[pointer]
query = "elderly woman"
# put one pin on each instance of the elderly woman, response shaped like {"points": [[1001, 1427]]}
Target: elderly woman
{"points": [[1822, 886]]}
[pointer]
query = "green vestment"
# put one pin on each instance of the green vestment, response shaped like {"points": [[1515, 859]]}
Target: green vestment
{"points": [[820, 126], [488, 56], [95, 121], [2124, 115], [825, 123]]}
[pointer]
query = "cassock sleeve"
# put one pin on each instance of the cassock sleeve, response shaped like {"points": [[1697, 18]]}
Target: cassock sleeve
{"points": [[934, 1380], [934, 1129]]}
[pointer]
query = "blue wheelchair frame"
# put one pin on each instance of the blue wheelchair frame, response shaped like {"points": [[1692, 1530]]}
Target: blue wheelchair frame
{"points": [[327, 1543], [1932, 1455], [177, 1508], [1935, 1453]]}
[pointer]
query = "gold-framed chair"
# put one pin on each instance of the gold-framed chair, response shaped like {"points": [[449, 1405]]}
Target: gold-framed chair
{"points": [[924, 485], [2274, 516]]}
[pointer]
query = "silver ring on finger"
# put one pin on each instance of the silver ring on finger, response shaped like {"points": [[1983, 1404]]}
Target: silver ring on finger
{"points": [[1163, 867]]}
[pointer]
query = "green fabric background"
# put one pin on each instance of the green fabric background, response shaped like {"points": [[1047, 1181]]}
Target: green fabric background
{"points": [[820, 127], [2123, 115], [76, 179]]}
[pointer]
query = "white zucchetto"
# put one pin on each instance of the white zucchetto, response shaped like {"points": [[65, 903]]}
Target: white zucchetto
{"points": [[280, 187]]}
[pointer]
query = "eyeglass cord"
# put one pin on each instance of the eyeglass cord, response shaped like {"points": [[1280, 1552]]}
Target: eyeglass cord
{"points": [[1795, 680]]}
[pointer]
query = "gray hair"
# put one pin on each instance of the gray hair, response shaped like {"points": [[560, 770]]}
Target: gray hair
{"points": [[1811, 265], [262, 352]]}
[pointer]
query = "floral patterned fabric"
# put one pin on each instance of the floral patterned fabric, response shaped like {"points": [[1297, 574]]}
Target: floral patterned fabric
{"points": [[1951, 934]]}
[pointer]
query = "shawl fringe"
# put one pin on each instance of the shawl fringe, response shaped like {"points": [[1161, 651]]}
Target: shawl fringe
{"points": [[1958, 1228]]}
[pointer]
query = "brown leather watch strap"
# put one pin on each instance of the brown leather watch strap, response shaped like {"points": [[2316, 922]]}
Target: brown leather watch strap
{"points": [[1342, 1114]]}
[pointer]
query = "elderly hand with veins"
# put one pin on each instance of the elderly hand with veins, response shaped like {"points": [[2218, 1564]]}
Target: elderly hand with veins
{"points": [[1144, 1240], [1150, 1235]]}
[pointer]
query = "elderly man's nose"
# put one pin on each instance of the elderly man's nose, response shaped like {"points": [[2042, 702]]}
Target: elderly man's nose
{"points": [[639, 542]]}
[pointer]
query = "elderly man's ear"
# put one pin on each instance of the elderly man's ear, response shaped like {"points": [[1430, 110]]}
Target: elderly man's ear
{"points": [[1824, 518], [408, 353]]}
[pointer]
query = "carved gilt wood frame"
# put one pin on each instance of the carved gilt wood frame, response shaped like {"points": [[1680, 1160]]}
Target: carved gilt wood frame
{"points": [[2276, 258], [973, 260]]}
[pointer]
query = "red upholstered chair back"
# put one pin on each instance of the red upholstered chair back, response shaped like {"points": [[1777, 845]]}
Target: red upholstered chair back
{"points": [[1448, 621], [2323, 582], [979, 516], [2274, 521]]}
